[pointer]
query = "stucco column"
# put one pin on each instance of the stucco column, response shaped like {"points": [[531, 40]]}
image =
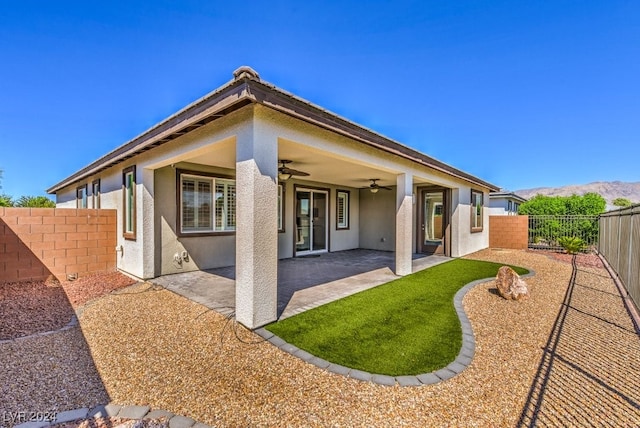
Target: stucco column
{"points": [[457, 221], [404, 223], [256, 228], [146, 235]]}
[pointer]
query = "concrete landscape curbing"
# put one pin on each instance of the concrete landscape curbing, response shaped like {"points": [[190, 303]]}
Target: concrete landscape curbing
{"points": [[117, 411], [462, 361]]}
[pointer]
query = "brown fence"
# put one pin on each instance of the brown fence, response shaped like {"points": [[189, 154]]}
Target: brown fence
{"points": [[508, 231], [619, 244], [36, 243]]}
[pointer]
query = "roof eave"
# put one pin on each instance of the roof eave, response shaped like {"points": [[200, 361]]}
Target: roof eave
{"points": [[507, 195], [214, 105], [245, 90], [287, 103]]}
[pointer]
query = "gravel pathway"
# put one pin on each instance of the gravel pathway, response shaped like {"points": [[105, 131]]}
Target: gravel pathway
{"points": [[590, 372], [151, 347]]}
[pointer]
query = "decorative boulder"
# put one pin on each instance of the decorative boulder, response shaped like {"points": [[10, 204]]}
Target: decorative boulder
{"points": [[510, 285]]}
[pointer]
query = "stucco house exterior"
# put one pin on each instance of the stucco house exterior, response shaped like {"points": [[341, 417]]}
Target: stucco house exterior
{"points": [[250, 174], [504, 203]]}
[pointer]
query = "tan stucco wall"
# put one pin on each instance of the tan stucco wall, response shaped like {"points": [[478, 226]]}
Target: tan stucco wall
{"points": [[378, 220], [463, 240], [205, 252]]}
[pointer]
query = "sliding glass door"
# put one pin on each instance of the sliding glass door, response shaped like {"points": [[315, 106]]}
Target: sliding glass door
{"points": [[311, 221]]}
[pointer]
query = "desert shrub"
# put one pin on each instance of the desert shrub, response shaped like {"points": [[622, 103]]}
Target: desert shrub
{"points": [[571, 244]]}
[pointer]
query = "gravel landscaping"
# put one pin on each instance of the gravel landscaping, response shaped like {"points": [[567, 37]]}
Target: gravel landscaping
{"points": [[49, 373], [149, 346], [33, 307]]}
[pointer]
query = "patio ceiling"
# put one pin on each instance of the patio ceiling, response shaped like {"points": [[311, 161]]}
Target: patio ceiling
{"points": [[322, 166]]}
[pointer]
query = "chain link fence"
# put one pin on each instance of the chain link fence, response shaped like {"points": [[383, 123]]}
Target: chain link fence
{"points": [[546, 230], [620, 246]]}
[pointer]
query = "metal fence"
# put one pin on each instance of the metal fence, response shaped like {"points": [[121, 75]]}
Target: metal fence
{"points": [[546, 230], [620, 246]]}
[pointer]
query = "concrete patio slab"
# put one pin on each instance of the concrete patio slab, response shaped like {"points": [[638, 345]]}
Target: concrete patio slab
{"points": [[303, 282], [213, 291]]}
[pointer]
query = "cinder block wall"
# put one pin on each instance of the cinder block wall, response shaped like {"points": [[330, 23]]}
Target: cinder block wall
{"points": [[509, 231], [36, 243]]}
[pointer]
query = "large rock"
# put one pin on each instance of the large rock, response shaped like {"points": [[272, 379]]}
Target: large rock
{"points": [[510, 285]]}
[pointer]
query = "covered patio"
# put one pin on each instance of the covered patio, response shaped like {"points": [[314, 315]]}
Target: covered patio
{"points": [[303, 282], [251, 174]]}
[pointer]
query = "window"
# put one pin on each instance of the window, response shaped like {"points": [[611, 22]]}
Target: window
{"points": [[225, 205], [342, 209], [476, 210], [280, 208], [129, 202], [95, 193], [196, 204], [81, 197], [207, 204], [509, 206]]}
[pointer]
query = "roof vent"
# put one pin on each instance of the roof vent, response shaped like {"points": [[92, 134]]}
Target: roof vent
{"points": [[245, 71]]}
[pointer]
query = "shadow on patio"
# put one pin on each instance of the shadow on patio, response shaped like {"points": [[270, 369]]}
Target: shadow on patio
{"points": [[303, 282], [590, 369]]}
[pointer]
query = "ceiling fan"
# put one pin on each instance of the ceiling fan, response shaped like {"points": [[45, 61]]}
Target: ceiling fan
{"points": [[285, 173], [374, 187]]}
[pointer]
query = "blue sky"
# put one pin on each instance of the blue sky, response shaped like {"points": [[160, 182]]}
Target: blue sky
{"points": [[521, 94]]}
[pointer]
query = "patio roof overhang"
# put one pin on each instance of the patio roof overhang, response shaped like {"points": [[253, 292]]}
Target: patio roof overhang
{"points": [[245, 89]]}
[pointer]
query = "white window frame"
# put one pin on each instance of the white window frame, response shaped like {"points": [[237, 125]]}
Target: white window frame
{"points": [[228, 218], [196, 179], [342, 197]]}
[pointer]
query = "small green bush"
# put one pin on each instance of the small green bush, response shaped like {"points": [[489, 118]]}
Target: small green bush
{"points": [[572, 244]]}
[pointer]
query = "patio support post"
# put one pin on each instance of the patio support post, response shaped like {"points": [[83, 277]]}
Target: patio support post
{"points": [[256, 227], [147, 177], [404, 224]]}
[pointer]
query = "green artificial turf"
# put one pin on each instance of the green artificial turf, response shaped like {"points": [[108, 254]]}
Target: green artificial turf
{"points": [[405, 327]]}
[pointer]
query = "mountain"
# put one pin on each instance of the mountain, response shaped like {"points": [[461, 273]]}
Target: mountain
{"points": [[609, 190]]}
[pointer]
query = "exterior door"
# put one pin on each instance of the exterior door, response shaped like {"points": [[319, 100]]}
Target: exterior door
{"points": [[311, 221], [434, 221]]}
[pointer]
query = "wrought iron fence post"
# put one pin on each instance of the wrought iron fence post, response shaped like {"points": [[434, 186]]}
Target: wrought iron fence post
{"points": [[630, 259]]}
